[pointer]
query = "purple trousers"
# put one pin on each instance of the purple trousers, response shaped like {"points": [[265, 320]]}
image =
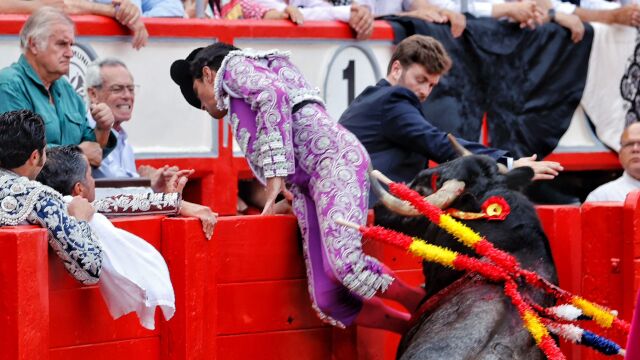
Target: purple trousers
{"points": [[330, 183]]}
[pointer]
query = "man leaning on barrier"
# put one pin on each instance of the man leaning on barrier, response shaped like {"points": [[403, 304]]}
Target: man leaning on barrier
{"points": [[629, 156], [388, 118]]}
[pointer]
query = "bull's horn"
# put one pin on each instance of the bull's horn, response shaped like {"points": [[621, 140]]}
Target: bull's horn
{"points": [[391, 202], [461, 150], [441, 198], [447, 194]]}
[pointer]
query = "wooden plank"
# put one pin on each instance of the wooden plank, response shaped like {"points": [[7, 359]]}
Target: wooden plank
{"points": [[602, 246], [138, 349], [631, 252], [265, 306], [190, 335], [560, 224], [24, 294], [80, 317], [257, 248], [312, 344]]}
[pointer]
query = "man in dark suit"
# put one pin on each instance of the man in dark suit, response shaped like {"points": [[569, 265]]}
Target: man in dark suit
{"points": [[388, 119]]}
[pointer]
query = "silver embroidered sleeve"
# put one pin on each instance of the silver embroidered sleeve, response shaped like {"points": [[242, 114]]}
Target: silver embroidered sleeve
{"points": [[273, 156], [72, 240], [139, 204], [269, 96]]}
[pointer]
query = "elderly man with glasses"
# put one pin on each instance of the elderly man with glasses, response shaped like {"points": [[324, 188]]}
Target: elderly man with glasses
{"points": [[35, 82], [109, 81], [629, 156]]}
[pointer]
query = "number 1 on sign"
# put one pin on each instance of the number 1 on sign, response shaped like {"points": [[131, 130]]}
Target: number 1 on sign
{"points": [[349, 74]]}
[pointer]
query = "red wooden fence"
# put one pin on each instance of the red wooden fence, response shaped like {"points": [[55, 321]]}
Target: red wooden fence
{"points": [[243, 294]]}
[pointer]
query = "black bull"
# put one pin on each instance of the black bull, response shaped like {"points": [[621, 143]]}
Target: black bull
{"points": [[473, 319]]}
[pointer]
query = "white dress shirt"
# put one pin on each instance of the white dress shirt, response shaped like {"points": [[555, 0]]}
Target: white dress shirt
{"points": [[121, 162], [615, 190], [391, 7], [569, 8]]}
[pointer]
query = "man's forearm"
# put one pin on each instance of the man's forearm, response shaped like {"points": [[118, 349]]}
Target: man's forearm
{"points": [[93, 8], [420, 4], [18, 6], [602, 16], [102, 137]]}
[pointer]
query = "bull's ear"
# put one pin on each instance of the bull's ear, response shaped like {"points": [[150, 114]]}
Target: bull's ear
{"points": [[519, 178]]}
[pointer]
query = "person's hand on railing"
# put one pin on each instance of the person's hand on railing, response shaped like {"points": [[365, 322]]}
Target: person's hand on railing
{"points": [[573, 24], [140, 35], [429, 13], [127, 13], [525, 12], [457, 20], [361, 21]]}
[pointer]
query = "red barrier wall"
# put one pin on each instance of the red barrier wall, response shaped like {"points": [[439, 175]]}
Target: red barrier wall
{"points": [[243, 294]]}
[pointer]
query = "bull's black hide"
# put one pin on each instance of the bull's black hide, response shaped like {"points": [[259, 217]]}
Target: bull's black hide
{"points": [[477, 321]]}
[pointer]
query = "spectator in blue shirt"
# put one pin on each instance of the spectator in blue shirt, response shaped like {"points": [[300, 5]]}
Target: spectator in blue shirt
{"points": [[156, 8]]}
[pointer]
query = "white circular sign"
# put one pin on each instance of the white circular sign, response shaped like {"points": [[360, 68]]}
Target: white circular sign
{"points": [[350, 71], [83, 55]]}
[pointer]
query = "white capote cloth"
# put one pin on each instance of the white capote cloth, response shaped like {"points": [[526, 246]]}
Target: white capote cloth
{"points": [[134, 274]]}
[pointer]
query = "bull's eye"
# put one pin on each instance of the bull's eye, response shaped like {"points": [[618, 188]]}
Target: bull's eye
{"points": [[494, 210]]}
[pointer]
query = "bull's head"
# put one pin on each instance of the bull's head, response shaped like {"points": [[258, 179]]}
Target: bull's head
{"points": [[468, 175], [479, 173]]}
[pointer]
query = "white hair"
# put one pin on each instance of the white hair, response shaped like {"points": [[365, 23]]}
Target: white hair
{"points": [[38, 26], [93, 78]]}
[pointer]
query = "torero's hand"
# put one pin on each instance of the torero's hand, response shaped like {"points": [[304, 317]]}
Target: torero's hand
{"points": [[275, 186]]}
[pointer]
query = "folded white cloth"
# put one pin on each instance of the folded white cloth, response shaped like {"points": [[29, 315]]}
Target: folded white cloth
{"points": [[134, 274]]}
